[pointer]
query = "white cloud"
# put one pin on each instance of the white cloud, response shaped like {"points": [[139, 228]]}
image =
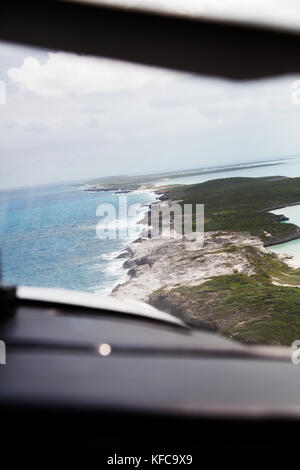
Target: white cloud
{"points": [[65, 73], [56, 126]]}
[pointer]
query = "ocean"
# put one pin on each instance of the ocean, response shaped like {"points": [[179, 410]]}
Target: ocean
{"points": [[48, 233], [48, 237], [293, 247]]}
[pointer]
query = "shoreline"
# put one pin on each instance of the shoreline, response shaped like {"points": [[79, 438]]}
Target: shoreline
{"points": [[290, 238], [286, 248], [129, 253], [159, 262], [233, 283], [285, 219], [219, 286], [125, 252], [283, 206], [286, 240]]}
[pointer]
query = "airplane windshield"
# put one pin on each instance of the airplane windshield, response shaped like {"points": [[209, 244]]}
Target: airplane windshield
{"points": [[144, 184]]}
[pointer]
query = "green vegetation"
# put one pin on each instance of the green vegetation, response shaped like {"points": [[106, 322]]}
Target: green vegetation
{"points": [[249, 309], [275, 311], [242, 204], [134, 181], [270, 267]]}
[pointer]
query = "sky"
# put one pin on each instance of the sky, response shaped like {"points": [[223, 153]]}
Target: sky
{"points": [[70, 117]]}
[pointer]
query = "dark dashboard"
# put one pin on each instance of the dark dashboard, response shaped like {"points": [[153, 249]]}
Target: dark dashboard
{"points": [[89, 378]]}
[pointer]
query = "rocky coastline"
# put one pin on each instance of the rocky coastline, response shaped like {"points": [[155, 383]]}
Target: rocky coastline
{"points": [[157, 262], [165, 272]]}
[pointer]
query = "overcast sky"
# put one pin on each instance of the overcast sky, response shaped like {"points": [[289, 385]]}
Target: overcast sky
{"points": [[69, 117]]}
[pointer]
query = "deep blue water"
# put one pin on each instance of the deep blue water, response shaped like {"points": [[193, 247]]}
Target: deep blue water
{"points": [[48, 238]]}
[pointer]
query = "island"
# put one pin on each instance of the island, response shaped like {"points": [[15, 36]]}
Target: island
{"points": [[232, 284]]}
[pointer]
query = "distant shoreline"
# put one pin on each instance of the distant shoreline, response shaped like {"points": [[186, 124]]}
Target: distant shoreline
{"points": [[130, 183]]}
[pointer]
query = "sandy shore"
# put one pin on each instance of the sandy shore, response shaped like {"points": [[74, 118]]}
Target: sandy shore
{"points": [[156, 263]]}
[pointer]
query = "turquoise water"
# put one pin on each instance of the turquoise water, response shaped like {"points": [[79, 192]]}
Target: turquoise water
{"points": [[48, 238], [292, 247]]}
